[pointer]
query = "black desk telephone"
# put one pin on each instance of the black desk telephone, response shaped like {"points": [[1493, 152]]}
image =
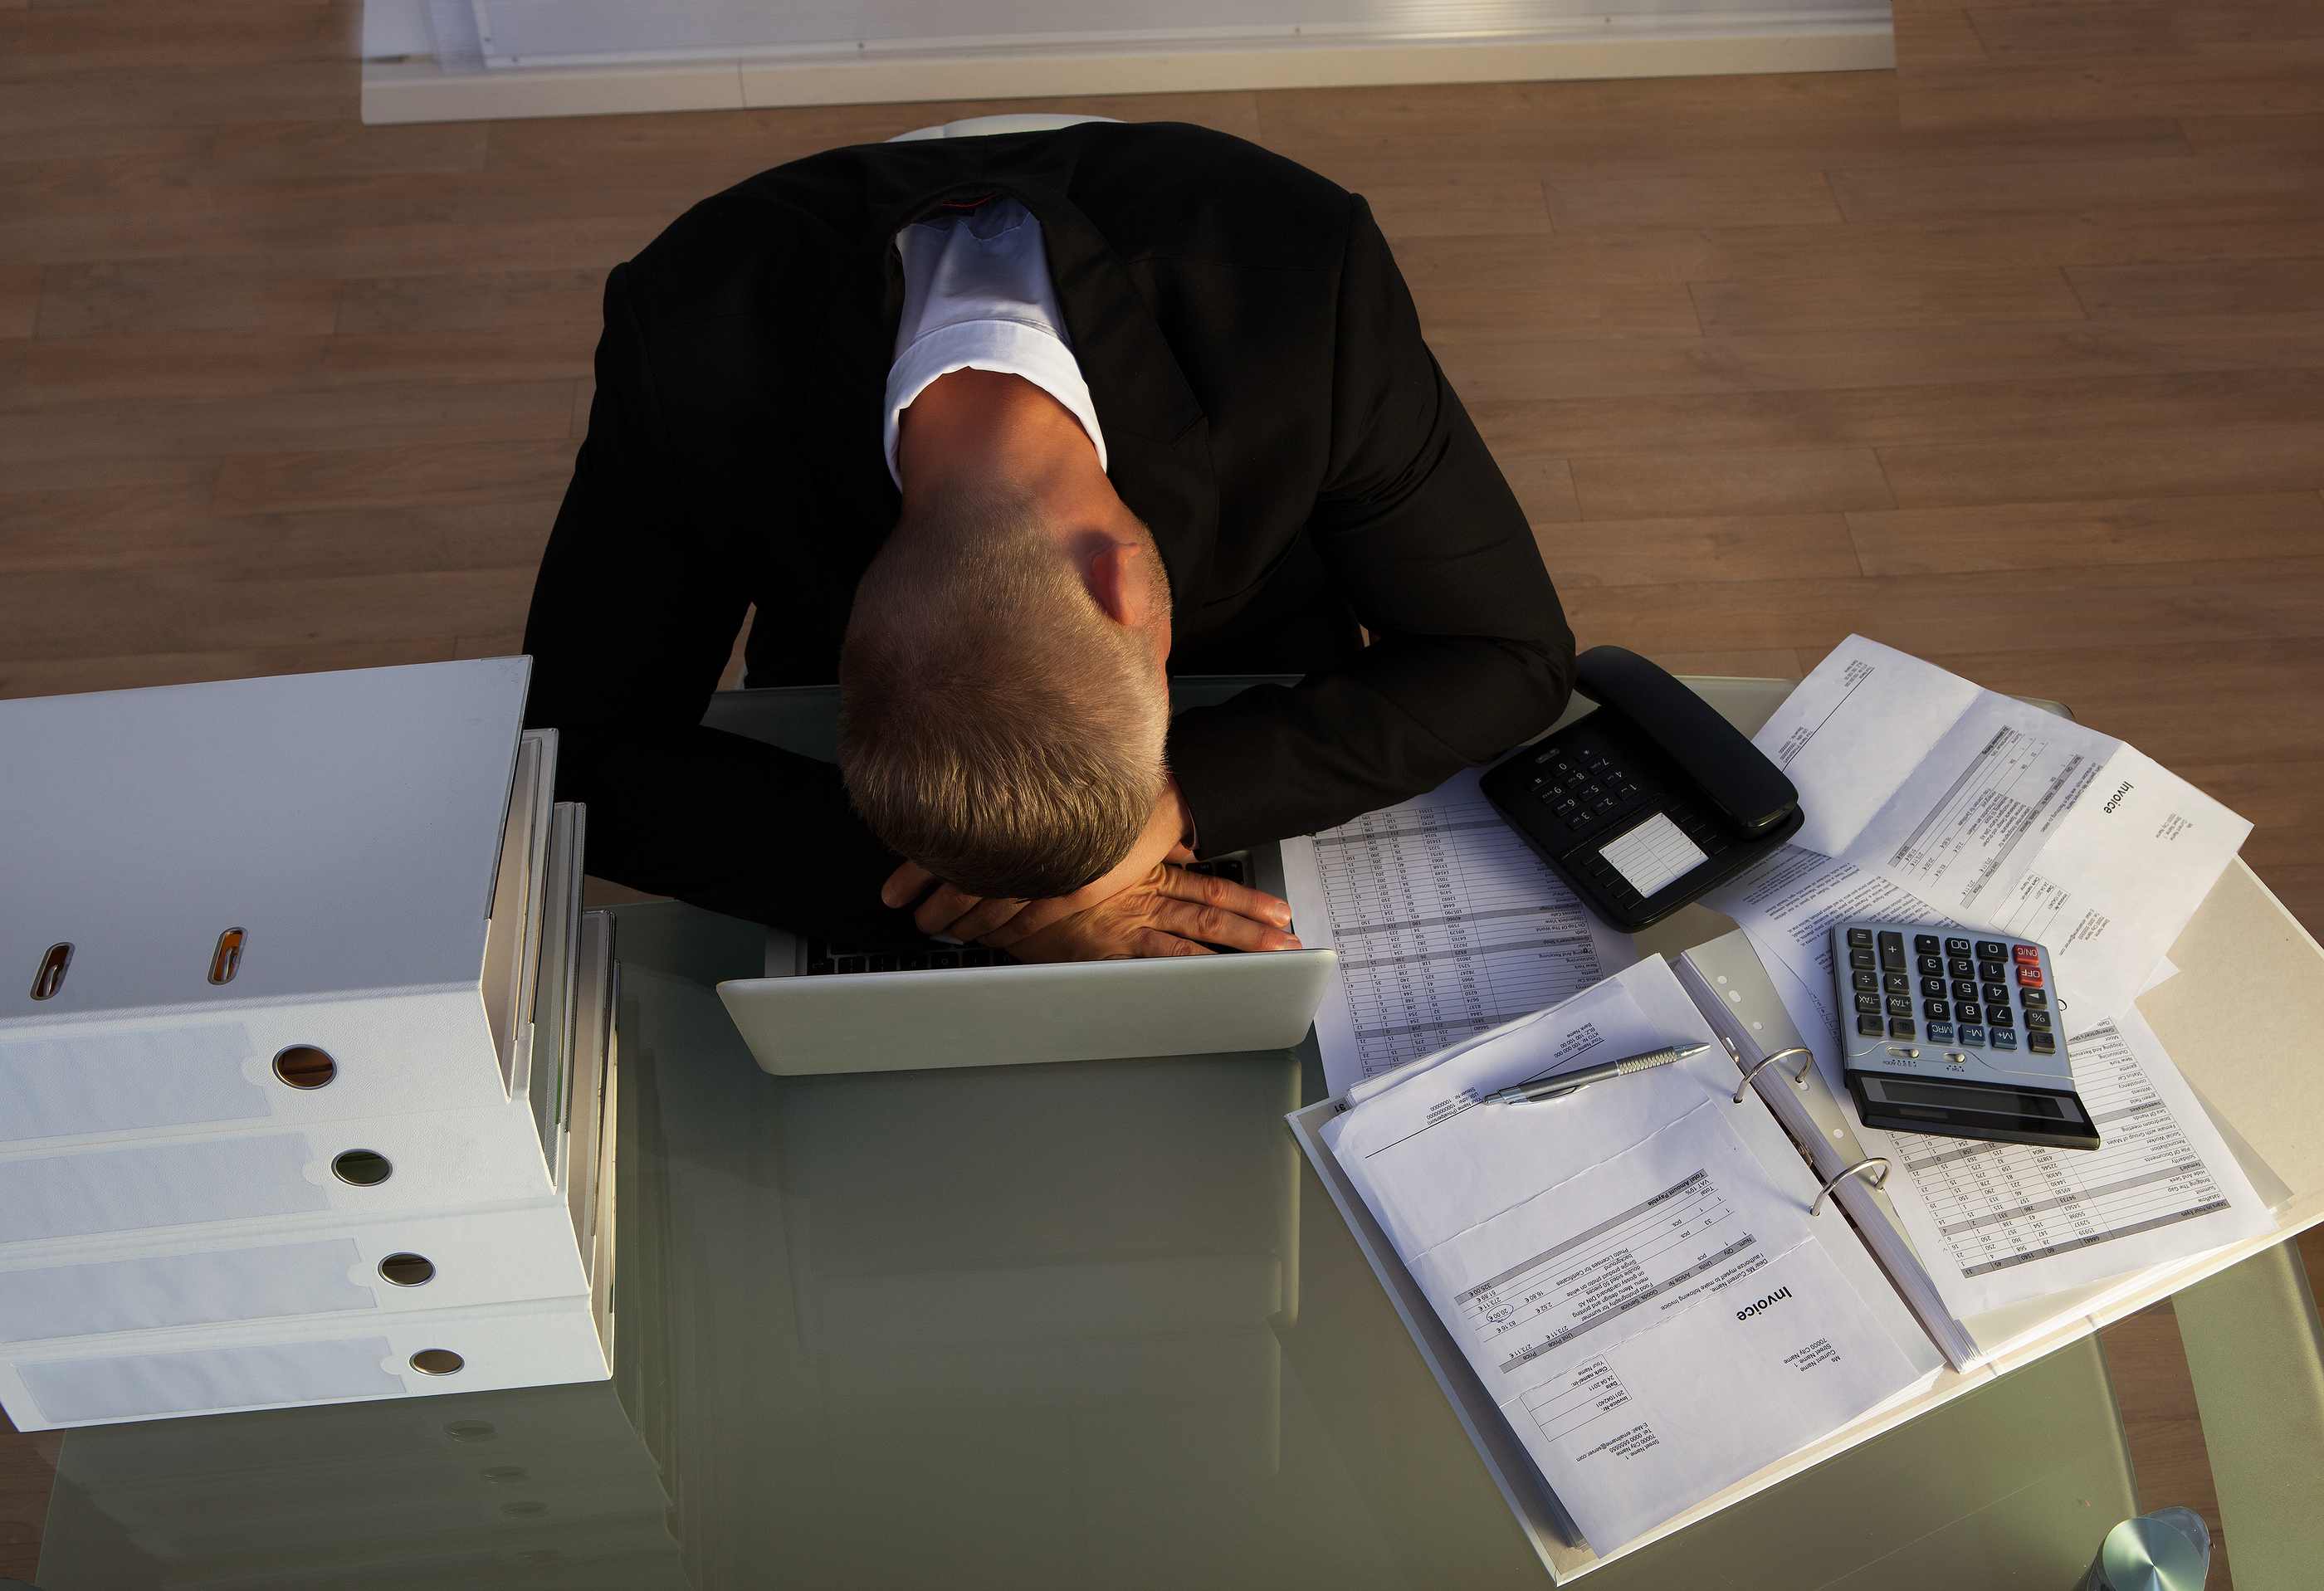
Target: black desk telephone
{"points": [[1649, 801]]}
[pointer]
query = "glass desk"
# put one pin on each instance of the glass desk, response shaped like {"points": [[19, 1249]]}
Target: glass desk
{"points": [[1091, 1326]]}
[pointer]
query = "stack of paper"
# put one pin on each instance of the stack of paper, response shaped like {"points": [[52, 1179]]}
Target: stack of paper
{"points": [[301, 1050], [1930, 800], [1632, 1273]]}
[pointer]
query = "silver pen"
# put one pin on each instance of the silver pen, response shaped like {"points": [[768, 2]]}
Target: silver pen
{"points": [[1554, 1087]]}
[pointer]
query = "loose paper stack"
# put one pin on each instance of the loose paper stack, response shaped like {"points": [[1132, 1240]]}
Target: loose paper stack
{"points": [[304, 1035], [1929, 800]]}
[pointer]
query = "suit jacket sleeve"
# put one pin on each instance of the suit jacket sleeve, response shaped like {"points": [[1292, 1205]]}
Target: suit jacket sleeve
{"points": [[632, 623], [1470, 653]]}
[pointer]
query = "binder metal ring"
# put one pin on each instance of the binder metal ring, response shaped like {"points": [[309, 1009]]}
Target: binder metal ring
{"points": [[1877, 1180], [1800, 1076]]}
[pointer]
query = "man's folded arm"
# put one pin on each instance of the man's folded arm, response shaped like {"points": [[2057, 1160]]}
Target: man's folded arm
{"points": [[632, 623], [1471, 652]]}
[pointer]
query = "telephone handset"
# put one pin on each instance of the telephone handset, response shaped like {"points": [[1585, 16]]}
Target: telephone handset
{"points": [[1649, 801]]}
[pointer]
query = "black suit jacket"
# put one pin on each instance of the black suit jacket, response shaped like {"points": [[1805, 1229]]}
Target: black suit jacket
{"points": [[1269, 409]]}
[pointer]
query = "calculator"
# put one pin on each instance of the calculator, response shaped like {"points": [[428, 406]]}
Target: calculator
{"points": [[1957, 1034]]}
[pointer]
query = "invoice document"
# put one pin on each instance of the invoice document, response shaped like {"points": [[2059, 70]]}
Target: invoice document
{"points": [[1446, 924], [1997, 1224], [1931, 800], [1630, 1270]]}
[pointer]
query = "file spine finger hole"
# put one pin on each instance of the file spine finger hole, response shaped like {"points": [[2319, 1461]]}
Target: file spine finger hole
{"points": [[437, 1362], [408, 1270], [50, 976], [365, 1168], [303, 1066], [227, 960]]}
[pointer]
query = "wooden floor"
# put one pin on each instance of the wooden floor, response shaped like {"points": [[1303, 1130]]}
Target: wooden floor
{"points": [[2034, 387]]}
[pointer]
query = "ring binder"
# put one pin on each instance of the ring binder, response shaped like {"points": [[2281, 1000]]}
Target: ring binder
{"points": [[211, 1166], [1799, 1077], [1841, 1176]]}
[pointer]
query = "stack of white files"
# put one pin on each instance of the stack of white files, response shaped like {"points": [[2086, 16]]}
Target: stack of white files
{"points": [[302, 1034]]}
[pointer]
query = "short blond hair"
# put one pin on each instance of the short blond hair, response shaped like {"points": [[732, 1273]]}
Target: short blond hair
{"points": [[996, 725]]}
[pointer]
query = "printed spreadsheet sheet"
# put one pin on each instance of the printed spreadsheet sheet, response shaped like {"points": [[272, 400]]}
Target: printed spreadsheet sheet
{"points": [[1447, 923]]}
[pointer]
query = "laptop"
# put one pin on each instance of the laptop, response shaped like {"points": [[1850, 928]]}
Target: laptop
{"points": [[825, 1008]]}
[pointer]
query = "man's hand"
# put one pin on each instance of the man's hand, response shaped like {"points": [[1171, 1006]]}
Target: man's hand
{"points": [[1170, 911], [1002, 922], [1142, 907]]}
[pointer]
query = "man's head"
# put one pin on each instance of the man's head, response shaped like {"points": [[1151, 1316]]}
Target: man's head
{"points": [[1003, 702]]}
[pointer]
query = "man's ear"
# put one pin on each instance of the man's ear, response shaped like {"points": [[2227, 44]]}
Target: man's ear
{"points": [[1117, 577]]}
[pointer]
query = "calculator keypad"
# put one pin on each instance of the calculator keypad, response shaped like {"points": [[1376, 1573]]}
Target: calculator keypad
{"points": [[1981, 994]]}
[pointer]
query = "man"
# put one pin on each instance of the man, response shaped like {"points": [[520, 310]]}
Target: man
{"points": [[999, 432]]}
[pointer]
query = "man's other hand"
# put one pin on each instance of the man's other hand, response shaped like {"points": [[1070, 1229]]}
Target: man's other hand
{"points": [[1170, 911]]}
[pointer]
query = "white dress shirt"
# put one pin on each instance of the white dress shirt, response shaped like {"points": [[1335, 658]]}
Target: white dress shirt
{"points": [[977, 295]]}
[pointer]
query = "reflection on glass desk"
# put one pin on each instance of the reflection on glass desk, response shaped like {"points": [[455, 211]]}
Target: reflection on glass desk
{"points": [[1078, 1326], [1090, 1326], [539, 1487]]}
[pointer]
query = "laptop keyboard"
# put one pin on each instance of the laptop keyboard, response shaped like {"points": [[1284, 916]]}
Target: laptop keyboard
{"points": [[824, 957]]}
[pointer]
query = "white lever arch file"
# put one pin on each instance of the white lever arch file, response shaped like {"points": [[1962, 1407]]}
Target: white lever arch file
{"points": [[288, 1052]]}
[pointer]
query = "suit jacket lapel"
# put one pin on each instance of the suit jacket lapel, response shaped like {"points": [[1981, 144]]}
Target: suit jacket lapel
{"points": [[1156, 436]]}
